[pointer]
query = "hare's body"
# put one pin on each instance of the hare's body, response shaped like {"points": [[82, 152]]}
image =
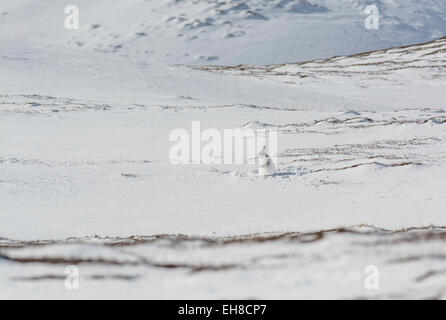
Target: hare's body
{"points": [[266, 165]]}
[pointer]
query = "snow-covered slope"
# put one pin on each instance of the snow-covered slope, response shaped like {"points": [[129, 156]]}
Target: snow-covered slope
{"points": [[89, 133], [85, 118], [408, 76], [224, 32], [412, 62], [328, 264]]}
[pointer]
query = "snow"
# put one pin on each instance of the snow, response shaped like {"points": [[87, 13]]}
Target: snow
{"points": [[224, 32], [85, 117], [327, 265]]}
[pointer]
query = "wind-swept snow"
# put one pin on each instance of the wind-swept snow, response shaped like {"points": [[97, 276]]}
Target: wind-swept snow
{"points": [[323, 265], [85, 118], [224, 32]]}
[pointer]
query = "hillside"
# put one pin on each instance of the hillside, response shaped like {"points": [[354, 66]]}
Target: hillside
{"points": [[223, 32]]}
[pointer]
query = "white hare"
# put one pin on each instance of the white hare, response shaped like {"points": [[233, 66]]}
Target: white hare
{"points": [[265, 163]]}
